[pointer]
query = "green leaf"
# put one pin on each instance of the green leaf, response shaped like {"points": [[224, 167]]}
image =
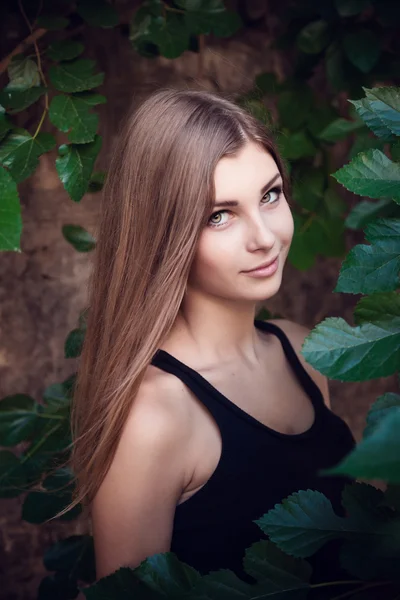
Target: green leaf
{"points": [[363, 49], [226, 23], [73, 343], [75, 165], [360, 353], [297, 145], [57, 395], [23, 73], [79, 238], [334, 204], [71, 114], [314, 37], [40, 506], [17, 419], [301, 256], [172, 37], [302, 99], [16, 100], [19, 152], [75, 76], [267, 83], [369, 269], [371, 174], [74, 555], [384, 405], [302, 523], [366, 211], [377, 307], [98, 13], [378, 455], [12, 475], [97, 181], [369, 112], [385, 102], [320, 118], [362, 501], [10, 213], [5, 123], [65, 50], [339, 129], [392, 496], [269, 565], [349, 8], [308, 188], [52, 23]]}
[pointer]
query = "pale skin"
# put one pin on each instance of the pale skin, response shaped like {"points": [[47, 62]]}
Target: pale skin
{"points": [[171, 444]]}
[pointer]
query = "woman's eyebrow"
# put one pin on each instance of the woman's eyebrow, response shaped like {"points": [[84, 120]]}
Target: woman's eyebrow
{"points": [[262, 191]]}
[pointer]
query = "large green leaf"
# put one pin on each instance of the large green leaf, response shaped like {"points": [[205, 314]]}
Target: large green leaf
{"points": [[65, 50], [369, 269], [368, 111], [15, 100], [377, 307], [360, 353], [269, 565], [38, 507], [385, 102], [172, 36], [19, 152], [75, 76], [362, 48], [339, 129], [366, 211], [72, 114], [303, 523], [378, 455], [371, 174], [18, 416], [10, 213], [388, 403], [75, 165], [23, 73], [98, 13]]}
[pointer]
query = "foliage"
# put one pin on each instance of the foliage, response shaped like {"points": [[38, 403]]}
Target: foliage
{"points": [[61, 79]]}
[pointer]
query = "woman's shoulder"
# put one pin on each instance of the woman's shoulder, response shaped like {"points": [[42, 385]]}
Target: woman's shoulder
{"points": [[296, 333]]}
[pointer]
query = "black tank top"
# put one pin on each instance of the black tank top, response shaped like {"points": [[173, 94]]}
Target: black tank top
{"points": [[258, 468]]}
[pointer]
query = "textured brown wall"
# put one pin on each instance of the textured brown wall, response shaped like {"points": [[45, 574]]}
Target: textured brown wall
{"points": [[43, 289]]}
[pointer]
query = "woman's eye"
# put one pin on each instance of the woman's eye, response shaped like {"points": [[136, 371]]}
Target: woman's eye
{"points": [[272, 196]]}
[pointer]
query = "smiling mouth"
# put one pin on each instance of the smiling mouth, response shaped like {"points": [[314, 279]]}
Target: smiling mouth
{"points": [[263, 266]]}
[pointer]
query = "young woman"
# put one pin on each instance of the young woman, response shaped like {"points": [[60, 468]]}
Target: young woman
{"points": [[191, 418]]}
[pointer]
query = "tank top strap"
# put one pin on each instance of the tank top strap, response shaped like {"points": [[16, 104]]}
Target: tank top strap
{"points": [[207, 393], [198, 385], [304, 377]]}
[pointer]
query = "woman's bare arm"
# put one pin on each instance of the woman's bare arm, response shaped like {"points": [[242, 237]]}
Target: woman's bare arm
{"points": [[133, 510]]}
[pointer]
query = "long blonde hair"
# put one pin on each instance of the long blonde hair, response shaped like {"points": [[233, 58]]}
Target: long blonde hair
{"points": [[157, 199]]}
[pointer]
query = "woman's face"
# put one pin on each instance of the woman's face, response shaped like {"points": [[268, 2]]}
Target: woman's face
{"points": [[257, 228]]}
